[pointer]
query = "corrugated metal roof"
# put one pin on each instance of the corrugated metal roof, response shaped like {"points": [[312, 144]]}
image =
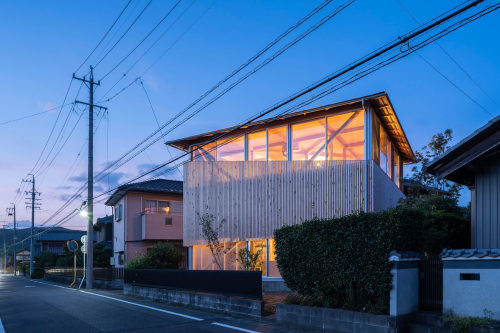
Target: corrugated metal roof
{"points": [[61, 236], [162, 186]]}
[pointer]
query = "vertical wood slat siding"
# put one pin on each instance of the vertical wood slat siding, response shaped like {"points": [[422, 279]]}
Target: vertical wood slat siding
{"points": [[255, 198]]}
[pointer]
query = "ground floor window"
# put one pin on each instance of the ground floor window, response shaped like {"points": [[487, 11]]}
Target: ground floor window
{"points": [[202, 258]]}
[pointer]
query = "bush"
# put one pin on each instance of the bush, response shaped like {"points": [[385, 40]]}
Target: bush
{"points": [[163, 255], [344, 262], [102, 255]]}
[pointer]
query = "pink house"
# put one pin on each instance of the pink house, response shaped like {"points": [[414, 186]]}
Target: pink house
{"points": [[143, 214]]}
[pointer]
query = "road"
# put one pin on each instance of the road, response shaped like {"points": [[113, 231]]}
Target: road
{"points": [[39, 306]]}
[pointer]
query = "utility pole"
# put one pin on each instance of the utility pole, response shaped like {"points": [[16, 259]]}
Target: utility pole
{"points": [[32, 203], [11, 211], [90, 202]]}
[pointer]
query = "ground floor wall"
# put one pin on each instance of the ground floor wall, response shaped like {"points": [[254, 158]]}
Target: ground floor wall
{"points": [[202, 258]]}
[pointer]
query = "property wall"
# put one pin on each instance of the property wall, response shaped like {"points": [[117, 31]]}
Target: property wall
{"points": [[486, 230], [387, 194], [404, 292], [471, 297]]}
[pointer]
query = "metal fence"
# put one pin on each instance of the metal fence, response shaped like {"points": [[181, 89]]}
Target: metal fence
{"points": [[237, 283], [431, 285], [100, 273]]}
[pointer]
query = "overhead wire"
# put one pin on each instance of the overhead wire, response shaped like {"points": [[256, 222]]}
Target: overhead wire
{"points": [[32, 115], [103, 37]]}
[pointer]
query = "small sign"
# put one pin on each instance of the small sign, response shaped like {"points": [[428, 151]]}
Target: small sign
{"points": [[84, 248], [72, 245], [84, 239]]}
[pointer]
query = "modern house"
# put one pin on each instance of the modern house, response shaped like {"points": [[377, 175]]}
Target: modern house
{"points": [[475, 162], [324, 162], [145, 213]]}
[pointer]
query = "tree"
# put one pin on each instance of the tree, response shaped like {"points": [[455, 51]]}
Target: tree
{"points": [[163, 255], [102, 255], [210, 232], [248, 260], [436, 147]]}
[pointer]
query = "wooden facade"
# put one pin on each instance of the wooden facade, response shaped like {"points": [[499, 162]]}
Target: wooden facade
{"points": [[255, 198]]}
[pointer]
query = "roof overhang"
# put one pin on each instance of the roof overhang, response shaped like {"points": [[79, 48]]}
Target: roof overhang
{"points": [[380, 103], [461, 162]]}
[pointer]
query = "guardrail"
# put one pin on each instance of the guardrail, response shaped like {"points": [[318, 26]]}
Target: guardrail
{"points": [[237, 283], [100, 273]]}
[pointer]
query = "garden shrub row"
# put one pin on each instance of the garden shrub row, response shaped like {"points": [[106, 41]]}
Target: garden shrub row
{"points": [[343, 262]]}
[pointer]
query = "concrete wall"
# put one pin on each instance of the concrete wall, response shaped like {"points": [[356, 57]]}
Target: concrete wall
{"points": [[100, 284], [486, 226], [237, 305], [334, 320], [471, 297], [119, 233], [404, 292]]}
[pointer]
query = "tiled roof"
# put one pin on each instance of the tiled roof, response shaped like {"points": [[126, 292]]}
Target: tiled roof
{"points": [[463, 254], [162, 186], [404, 256]]}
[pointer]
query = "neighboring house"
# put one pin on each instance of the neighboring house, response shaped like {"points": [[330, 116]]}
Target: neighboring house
{"points": [[414, 188], [55, 241], [103, 230], [23, 256], [475, 162], [145, 213], [324, 162]]}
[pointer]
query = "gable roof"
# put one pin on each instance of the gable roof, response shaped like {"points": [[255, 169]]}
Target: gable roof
{"points": [[459, 162], [160, 186], [380, 102]]}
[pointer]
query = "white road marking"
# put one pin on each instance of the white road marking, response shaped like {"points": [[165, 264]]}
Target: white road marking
{"points": [[2, 330], [29, 286], [143, 306], [234, 327], [148, 307]]}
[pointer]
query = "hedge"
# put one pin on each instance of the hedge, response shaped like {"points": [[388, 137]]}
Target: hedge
{"points": [[343, 262]]}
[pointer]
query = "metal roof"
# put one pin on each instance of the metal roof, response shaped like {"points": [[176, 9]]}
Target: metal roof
{"points": [[161, 186], [457, 163], [379, 101]]}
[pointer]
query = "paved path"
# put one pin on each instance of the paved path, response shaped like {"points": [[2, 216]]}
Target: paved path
{"points": [[38, 306]]}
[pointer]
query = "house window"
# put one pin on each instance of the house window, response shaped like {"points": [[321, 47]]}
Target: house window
{"points": [[164, 207], [277, 144], [376, 140], [232, 149], [383, 149], [151, 207], [396, 169], [308, 141], [257, 146], [168, 221], [205, 153], [118, 212], [345, 136]]}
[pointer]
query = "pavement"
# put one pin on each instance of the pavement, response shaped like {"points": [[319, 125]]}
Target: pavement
{"points": [[40, 306]]}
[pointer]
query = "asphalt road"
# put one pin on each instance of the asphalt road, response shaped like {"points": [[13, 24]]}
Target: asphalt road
{"points": [[30, 306]]}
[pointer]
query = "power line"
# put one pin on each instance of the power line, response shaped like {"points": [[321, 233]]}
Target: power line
{"points": [[103, 37], [123, 35], [232, 74], [144, 39], [469, 76], [32, 115]]}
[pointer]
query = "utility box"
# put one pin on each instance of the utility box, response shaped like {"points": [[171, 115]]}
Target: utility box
{"points": [[471, 282]]}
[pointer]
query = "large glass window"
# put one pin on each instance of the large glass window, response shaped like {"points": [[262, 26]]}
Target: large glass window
{"points": [[376, 140], [232, 149], [396, 169], [205, 153], [308, 140], [257, 146], [345, 136], [276, 144], [383, 149]]}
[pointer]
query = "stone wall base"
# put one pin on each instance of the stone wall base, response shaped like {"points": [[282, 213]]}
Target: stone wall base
{"points": [[334, 320], [219, 303], [100, 284]]}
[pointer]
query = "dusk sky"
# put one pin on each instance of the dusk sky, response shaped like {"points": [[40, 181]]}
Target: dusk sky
{"points": [[43, 43]]}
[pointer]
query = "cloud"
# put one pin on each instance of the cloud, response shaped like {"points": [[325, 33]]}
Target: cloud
{"points": [[165, 171], [67, 196]]}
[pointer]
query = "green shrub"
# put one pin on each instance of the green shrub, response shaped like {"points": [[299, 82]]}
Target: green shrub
{"points": [[163, 255], [464, 324], [344, 262]]}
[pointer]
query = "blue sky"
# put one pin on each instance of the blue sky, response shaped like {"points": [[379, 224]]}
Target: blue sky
{"points": [[43, 44]]}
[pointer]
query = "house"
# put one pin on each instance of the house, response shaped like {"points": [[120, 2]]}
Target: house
{"points": [[145, 213], [103, 230], [23, 256], [323, 162], [54, 241], [475, 162]]}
